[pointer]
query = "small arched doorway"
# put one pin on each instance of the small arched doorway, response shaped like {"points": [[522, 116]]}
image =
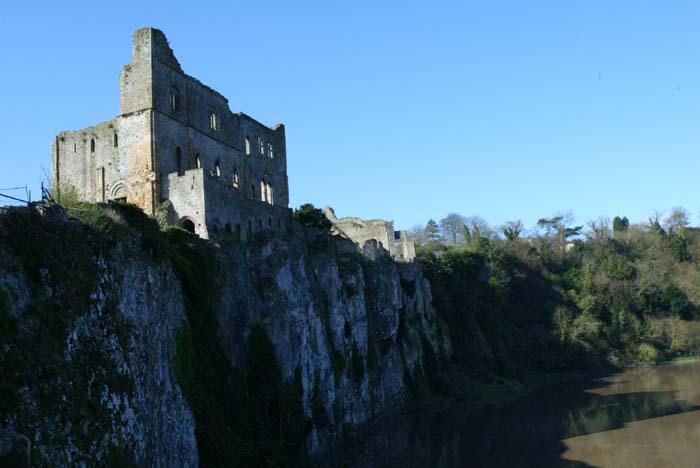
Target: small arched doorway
{"points": [[187, 225]]}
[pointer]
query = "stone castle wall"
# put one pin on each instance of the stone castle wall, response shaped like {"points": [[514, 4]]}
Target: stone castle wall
{"points": [[360, 231], [217, 209], [108, 161], [170, 125]]}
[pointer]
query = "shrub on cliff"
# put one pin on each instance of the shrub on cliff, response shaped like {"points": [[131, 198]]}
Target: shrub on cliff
{"points": [[311, 217]]}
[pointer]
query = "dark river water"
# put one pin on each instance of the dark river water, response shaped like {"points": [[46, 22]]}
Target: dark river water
{"points": [[637, 418]]}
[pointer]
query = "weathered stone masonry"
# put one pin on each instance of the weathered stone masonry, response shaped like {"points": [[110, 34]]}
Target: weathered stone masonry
{"points": [[381, 232], [176, 150]]}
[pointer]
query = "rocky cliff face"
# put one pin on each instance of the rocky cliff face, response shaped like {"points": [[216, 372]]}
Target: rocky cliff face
{"points": [[87, 347], [356, 328], [90, 316]]}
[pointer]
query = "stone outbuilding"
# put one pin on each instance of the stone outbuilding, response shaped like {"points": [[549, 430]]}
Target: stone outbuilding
{"points": [[360, 231]]}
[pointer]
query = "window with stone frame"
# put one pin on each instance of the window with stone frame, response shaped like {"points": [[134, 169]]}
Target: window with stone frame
{"points": [[235, 178], [247, 146], [213, 121], [174, 99]]}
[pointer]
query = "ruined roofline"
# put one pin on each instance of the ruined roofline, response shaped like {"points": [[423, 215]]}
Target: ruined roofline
{"points": [[274, 127], [168, 59], [165, 56], [364, 221], [91, 128]]}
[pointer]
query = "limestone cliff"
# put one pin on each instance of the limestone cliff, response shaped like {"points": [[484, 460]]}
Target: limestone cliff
{"points": [[99, 330]]}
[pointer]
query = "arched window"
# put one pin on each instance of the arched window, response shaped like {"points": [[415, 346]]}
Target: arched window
{"points": [[235, 178], [217, 168], [263, 190], [252, 191], [197, 161], [261, 147], [269, 192], [75, 148], [213, 121], [269, 222], [174, 99], [247, 146], [178, 159], [92, 145], [116, 139], [270, 152], [229, 229]]}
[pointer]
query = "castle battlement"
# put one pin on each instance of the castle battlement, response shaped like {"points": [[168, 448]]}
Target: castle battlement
{"points": [[177, 150]]}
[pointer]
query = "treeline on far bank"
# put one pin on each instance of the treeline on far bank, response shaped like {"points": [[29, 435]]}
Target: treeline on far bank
{"points": [[562, 296]]}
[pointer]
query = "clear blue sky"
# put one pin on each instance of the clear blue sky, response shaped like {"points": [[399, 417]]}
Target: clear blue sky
{"points": [[399, 110]]}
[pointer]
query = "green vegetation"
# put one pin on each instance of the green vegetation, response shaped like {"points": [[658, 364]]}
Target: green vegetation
{"points": [[311, 217], [564, 297]]}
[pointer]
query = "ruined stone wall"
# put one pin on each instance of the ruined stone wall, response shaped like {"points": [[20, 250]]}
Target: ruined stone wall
{"points": [[402, 248], [187, 199], [184, 118], [136, 78], [117, 166], [228, 211], [361, 231], [377, 232], [217, 209], [166, 113]]}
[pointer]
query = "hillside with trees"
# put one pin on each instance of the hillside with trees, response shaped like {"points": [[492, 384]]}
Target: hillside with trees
{"points": [[562, 296]]}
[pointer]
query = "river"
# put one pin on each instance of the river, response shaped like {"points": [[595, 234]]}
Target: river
{"points": [[637, 418]]}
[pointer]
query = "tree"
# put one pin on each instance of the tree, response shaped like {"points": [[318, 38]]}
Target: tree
{"points": [[678, 220], [620, 224], [560, 227], [655, 225], [311, 217], [512, 229], [477, 233], [478, 227], [417, 235], [451, 226], [599, 228], [431, 232]]}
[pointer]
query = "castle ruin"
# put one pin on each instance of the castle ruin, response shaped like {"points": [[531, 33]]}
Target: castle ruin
{"points": [[178, 152], [360, 231]]}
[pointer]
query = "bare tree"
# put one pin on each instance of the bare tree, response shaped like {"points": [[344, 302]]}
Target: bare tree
{"points": [[678, 220], [477, 227], [417, 235], [451, 226], [599, 229]]}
